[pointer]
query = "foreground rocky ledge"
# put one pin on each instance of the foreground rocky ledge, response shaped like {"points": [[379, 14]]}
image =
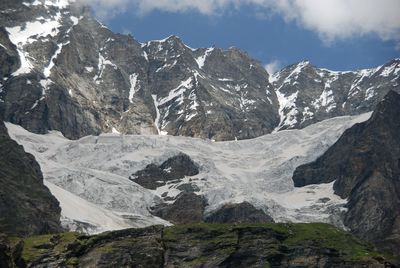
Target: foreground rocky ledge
{"points": [[197, 245]]}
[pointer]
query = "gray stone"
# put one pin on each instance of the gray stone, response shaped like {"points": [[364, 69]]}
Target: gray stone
{"points": [[364, 163]]}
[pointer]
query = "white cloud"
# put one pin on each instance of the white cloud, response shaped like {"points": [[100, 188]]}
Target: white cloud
{"points": [[339, 19], [273, 66], [108, 8], [331, 19]]}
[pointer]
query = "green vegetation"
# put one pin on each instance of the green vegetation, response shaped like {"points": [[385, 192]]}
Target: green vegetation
{"points": [[293, 234], [327, 236], [72, 262], [108, 248], [36, 246], [211, 242]]}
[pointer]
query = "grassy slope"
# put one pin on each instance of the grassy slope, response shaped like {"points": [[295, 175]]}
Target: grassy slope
{"points": [[215, 237]]}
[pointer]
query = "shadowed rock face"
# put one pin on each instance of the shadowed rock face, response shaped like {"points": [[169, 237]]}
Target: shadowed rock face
{"points": [[364, 163], [26, 205], [9, 60], [187, 208], [174, 168], [238, 213], [205, 245], [5, 252]]}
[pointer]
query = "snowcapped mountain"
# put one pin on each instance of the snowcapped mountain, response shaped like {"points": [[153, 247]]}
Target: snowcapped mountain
{"points": [[63, 70], [108, 81], [308, 94], [125, 132]]}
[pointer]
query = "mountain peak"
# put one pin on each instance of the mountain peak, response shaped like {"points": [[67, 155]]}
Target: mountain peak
{"points": [[171, 38], [302, 63]]}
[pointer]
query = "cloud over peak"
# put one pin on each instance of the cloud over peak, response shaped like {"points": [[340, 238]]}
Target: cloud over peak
{"points": [[330, 19], [338, 19]]}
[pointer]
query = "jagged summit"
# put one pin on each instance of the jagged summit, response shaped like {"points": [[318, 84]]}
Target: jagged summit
{"points": [[63, 70]]}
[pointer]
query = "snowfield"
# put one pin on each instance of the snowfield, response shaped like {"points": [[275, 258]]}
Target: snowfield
{"points": [[90, 176]]}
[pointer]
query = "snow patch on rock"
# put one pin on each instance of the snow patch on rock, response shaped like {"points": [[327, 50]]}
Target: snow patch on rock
{"points": [[202, 59], [133, 79]]}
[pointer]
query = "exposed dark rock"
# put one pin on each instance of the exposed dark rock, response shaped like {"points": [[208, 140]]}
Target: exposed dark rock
{"points": [[151, 177], [187, 208], [102, 80], [174, 168], [206, 245], [26, 205], [364, 163], [9, 59], [188, 187], [238, 213], [140, 248], [180, 166], [6, 259]]}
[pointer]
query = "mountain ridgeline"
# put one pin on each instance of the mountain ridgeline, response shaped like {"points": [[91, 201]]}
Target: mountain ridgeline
{"points": [[63, 70]]}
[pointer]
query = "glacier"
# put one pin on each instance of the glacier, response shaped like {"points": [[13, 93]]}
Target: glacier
{"points": [[90, 176]]}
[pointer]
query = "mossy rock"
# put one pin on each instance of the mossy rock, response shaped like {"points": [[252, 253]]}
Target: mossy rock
{"points": [[211, 245]]}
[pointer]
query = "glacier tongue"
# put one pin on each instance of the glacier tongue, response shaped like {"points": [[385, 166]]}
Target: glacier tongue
{"points": [[96, 169]]}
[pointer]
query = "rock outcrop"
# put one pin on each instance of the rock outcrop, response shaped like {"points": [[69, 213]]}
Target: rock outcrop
{"points": [[26, 205], [365, 165], [173, 169], [186, 208], [238, 213], [205, 245]]}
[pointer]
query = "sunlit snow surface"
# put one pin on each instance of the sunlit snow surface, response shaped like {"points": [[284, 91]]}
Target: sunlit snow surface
{"points": [[96, 169]]}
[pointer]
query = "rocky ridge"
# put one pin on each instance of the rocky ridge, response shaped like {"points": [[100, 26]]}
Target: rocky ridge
{"points": [[308, 94], [364, 163], [26, 206], [202, 245], [55, 52], [173, 169]]}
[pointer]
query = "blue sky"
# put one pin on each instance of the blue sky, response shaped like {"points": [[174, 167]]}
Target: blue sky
{"points": [[272, 34]]}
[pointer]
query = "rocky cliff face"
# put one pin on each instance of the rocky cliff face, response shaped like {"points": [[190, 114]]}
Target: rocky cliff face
{"points": [[204, 245], [173, 169], [364, 164], [308, 94], [107, 81], [63, 70], [26, 205]]}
